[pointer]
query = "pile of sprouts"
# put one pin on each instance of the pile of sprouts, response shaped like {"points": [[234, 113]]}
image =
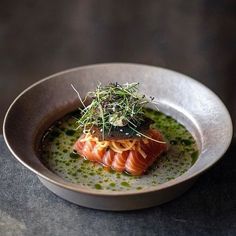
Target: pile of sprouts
{"points": [[112, 106]]}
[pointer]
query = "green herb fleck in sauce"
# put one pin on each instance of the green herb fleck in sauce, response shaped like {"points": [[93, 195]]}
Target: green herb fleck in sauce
{"points": [[57, 154]]}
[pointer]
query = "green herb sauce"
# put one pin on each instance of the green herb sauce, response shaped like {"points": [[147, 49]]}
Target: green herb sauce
{"points": [[58, 156]]}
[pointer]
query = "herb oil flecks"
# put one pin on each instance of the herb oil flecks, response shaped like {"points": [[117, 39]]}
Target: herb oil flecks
{"points": [[58, 156]]}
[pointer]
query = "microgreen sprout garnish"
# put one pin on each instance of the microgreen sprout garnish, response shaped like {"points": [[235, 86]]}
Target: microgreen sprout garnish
{"points": [[113, 106], [78, 95]]}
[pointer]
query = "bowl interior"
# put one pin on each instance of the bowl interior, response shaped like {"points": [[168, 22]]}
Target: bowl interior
{"points": [[179, 96]]}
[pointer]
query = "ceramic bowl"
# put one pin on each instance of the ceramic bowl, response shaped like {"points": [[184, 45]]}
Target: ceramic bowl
{"points": [[179, 96]]}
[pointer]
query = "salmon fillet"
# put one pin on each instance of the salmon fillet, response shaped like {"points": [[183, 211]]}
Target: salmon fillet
{"points": [[134, 161]]}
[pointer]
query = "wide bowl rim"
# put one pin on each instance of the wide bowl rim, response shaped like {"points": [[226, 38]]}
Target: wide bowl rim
{"points": [[75, 187]]}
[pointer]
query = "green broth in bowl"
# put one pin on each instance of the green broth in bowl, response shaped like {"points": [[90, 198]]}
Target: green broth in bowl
{"points": [[58, 156]]}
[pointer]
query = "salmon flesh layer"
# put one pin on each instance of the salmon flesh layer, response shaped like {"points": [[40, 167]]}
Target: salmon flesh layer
{"points": [[135, 161]]}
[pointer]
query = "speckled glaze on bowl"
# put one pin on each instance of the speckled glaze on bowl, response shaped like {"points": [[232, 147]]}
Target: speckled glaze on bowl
{"points": [[179, 96]]}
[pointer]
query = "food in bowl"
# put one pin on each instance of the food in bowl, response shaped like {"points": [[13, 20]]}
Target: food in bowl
{"points": [[116, 132], [116, 142]]}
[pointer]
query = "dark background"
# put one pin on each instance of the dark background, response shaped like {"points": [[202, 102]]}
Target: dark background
{"points": [[197, 38]]}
